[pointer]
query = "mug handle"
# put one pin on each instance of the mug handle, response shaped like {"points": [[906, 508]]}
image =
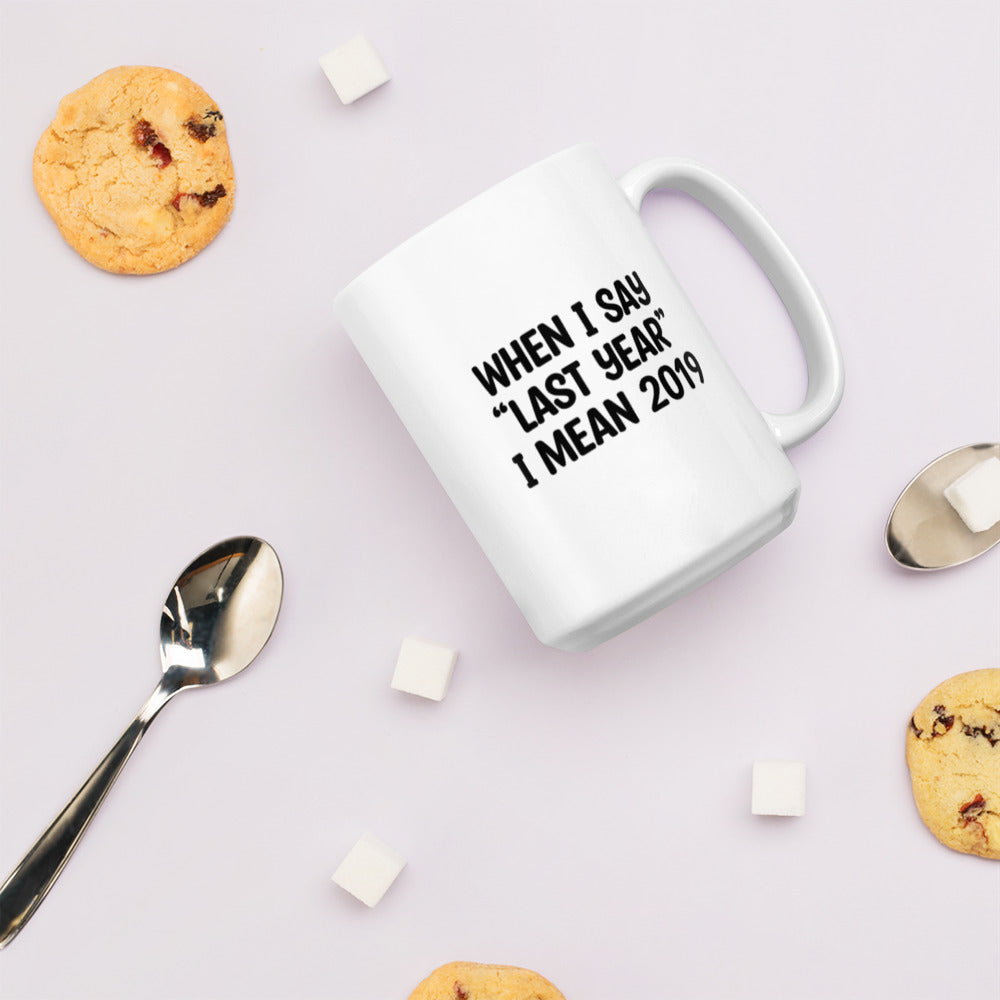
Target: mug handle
{"points": [[824, 365]]}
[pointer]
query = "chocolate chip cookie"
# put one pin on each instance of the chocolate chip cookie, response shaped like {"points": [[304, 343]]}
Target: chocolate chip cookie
{"points": [[953, 752], [135, 170], [473, 981]]}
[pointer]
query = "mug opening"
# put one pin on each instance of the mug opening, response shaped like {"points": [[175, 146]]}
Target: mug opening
{"points": [[488, 192]]}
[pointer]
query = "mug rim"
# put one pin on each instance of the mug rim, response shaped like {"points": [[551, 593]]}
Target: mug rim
{"points": [[488, 192]]}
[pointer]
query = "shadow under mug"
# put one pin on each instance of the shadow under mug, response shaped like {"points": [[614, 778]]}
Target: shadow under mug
{"points": [[572, 404]]}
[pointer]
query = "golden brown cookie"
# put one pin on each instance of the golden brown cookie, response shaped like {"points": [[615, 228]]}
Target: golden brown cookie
{"points": [[953, 752], [472, 981], [135, 170]]}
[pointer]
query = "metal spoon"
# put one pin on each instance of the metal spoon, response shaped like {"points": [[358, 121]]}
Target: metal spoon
{"points": [[924, 530], [215, 621]]}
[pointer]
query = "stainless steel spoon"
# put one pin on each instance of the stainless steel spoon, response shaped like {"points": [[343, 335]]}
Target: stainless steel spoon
{"points": [[215, 621], [924, 530]]}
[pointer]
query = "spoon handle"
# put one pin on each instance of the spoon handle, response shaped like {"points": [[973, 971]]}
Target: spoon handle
{"points": [[31, 880]]}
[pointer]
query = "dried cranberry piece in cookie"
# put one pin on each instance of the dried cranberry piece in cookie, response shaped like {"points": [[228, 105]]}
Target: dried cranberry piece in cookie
{"points": [[200, 131], [205, 198], [973, 808], [992, 736], [208, 198], [942, 722], [145, 135], [972, 814], [203, 131], [161, 154]]}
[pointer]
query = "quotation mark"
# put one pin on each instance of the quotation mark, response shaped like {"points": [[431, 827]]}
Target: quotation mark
{"points": [[658, 313], [499, 411]]}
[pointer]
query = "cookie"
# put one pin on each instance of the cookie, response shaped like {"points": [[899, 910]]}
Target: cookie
{"points": [[472, 981], [953, 752], [135, 170]]}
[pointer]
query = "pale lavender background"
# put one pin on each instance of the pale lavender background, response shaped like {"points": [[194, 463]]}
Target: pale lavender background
{"points": [[584, 815]]}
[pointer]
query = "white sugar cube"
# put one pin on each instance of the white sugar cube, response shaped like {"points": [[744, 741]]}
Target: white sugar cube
{"points": [[779, 788], [369, 869], [424, 668], [354, 69], [976, 495]]}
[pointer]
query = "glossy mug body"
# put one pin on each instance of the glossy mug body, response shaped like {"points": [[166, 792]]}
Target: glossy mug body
{"points": [[572, 404]]}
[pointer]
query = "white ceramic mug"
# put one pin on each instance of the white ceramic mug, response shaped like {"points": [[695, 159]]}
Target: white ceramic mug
{"points": [[572, 404]]}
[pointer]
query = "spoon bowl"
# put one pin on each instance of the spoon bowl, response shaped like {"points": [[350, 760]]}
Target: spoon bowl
{"points": [[221, 611], [216, 619], [924, 531]]}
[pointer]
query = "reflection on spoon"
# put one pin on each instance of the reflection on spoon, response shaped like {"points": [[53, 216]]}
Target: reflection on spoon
{"points": [[215, 621], [924, 530]]}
